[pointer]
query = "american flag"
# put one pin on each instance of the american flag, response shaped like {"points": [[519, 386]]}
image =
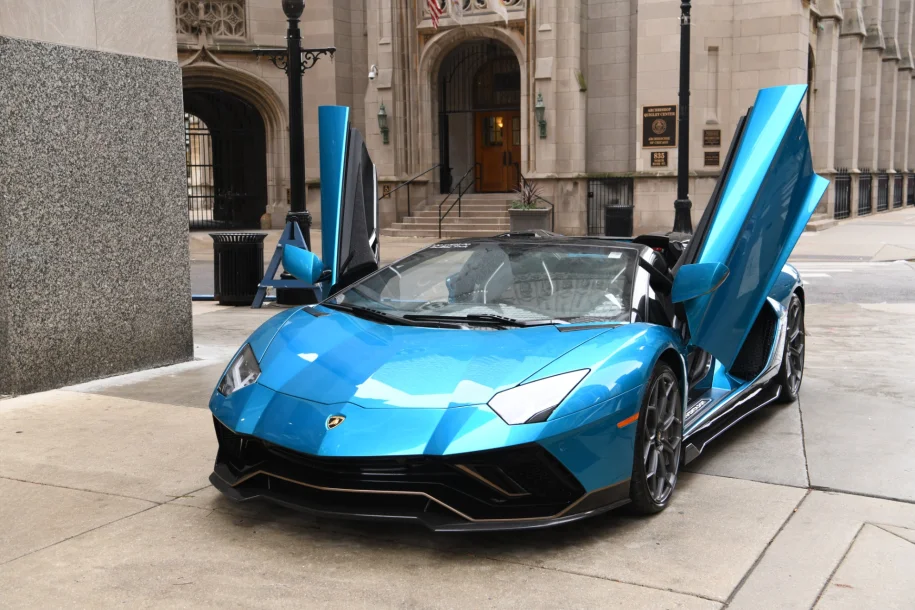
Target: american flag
{"points": [[435, 11]]}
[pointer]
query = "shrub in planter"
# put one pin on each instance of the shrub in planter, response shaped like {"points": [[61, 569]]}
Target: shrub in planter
{"points": [[524, 213]]}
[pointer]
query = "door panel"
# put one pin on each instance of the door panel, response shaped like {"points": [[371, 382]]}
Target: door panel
{"points": [[490, 142], [498, 149], [765, 199], [349, 200]]}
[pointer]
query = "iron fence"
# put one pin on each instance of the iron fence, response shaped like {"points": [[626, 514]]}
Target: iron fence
{"points": [[603, 193], [910, 197], [843, 194], [865, 189], [898, 186], [883, 190]]}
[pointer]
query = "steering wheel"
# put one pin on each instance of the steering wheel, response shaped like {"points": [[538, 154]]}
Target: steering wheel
{"points": [[432, 306]]}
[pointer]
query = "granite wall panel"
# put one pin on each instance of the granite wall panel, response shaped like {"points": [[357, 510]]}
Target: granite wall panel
{"points": [[93, 215]]}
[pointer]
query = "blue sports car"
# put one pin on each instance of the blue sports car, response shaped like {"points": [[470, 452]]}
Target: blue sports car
{"points": [[524, 380]]}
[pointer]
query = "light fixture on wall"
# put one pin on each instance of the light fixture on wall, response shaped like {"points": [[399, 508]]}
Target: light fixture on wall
{"points": [[539, 110], [383, 123]]}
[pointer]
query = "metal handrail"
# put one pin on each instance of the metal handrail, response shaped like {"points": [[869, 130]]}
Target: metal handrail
{"points": [[459, 187], [549, 203], [403, 184]]}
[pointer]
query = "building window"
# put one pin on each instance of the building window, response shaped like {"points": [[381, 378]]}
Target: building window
{"points": [[492, 131]]}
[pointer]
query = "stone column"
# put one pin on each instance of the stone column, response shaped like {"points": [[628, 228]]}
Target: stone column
{"points": [[911, 134], [903, 87], [848, 86], [886, 135], [871, 72], [823, 127]]}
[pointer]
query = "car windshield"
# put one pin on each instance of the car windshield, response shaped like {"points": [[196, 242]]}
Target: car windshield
{"points": [[510, 281]]}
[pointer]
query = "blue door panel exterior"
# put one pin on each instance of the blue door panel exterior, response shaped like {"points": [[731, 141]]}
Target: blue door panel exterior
{"points": [[769, 197]]}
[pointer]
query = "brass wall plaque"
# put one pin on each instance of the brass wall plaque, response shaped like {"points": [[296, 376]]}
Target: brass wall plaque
{"points": [[712, 158], [659, 158], [711, 137], [659, 126]]}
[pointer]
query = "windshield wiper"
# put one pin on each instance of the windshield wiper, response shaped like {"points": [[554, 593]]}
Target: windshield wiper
{"points": [[484, 318], [377, 316]]}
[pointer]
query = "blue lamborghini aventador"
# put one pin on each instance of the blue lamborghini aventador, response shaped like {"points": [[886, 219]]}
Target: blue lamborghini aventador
{"points": [[524, 380]]}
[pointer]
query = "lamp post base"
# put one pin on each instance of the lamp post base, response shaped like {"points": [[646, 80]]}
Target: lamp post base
{"points": [[683, 222]]}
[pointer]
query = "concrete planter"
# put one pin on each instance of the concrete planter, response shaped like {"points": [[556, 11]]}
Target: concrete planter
{"points": [[529, 220]]}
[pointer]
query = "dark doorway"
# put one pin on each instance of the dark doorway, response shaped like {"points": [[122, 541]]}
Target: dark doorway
{"points": [[226, 157], [479, 86]]}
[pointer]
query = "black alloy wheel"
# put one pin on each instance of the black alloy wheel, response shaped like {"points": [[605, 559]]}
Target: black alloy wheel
{"points": [[659, 437], [791, 373]]}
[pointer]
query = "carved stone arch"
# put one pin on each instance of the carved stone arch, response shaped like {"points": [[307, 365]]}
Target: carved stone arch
{"points": [[205, 71], [433, 54]]}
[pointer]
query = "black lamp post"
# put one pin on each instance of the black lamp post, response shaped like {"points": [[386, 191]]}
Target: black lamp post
{"points": [[294, 60], [682, 220]]}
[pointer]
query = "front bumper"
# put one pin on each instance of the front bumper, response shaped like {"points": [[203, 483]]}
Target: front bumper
{"points": [[520, 487]]}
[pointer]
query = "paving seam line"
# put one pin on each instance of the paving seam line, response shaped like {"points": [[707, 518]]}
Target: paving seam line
{"points": [[838, 564], [883, 527], [91, 491], [154, 505], [32, 552], [762, 554], [862, 494], [800, 414]]}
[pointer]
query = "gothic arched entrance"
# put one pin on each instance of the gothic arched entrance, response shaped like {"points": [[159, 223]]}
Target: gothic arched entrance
{"points": [[226, 156], [479, 87]]}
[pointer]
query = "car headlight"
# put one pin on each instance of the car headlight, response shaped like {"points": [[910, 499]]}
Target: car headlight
{"points": [[243, 371], [524, 403]]}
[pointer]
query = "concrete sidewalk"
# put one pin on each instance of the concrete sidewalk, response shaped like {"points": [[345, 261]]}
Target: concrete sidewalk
{"points": [[106, 502], [888, 236]]}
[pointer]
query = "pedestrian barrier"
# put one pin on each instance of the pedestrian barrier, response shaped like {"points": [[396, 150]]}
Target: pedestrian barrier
{"points": [[843, 194], [883, 190], [898, 185], [865, 184]]}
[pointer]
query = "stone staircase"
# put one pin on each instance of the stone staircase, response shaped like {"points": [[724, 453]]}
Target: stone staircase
{"points": [[482, 215]]}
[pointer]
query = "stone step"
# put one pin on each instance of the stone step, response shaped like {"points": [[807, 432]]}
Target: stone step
{"points": [[446, 233], [455, 219], [465, 205], [820, 222], [465, 213]]}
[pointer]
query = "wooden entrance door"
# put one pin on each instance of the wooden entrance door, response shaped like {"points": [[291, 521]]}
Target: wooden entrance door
{"points": [[498, 150]]}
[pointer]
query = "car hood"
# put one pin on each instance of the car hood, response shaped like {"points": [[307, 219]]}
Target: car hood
{"points": [[338, 357]]}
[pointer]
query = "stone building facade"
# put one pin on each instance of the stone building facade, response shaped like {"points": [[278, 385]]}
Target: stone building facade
{"points": [[461, 99]]}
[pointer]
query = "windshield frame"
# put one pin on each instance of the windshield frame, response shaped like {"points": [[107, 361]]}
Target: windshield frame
{"points": [[635, 270]]}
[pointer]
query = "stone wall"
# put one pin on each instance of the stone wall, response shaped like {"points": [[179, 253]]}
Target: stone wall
{"points": [[93, 213]]}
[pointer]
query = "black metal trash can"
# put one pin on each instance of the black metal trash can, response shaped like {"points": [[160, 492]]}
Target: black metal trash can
{"points": [[618, 221], [238, 266]]}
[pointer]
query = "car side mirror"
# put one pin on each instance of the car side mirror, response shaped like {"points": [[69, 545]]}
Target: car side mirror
{"points": [[303, 264], [693, 281]]}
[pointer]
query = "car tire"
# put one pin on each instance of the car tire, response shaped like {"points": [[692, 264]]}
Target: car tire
{"points": [[658, 441], [791, 373]]}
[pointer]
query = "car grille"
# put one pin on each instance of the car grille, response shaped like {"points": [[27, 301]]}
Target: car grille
{"points": [[519, 482]]}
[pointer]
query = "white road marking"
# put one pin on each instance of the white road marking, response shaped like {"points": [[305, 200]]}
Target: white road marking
{"points": [[807, 275]]}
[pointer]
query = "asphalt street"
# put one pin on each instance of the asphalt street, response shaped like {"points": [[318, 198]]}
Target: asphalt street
{"points": [[858, 282], [105, 498]]}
